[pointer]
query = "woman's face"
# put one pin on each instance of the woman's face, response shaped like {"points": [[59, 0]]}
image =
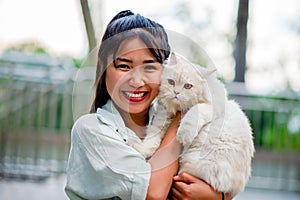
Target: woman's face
{"points": [[133, 80]]}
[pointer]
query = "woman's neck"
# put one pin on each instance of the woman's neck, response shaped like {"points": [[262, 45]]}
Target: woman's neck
{"points": [[136, 122]]}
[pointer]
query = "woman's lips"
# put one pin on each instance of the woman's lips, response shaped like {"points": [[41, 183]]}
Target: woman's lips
{"points": [[135, 96]]}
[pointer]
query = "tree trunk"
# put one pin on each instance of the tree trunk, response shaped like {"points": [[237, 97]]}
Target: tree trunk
{"points": [[241, 41], [88, 24], [91, 60]]}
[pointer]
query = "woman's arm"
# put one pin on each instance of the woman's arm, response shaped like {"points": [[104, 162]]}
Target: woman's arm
{"points": [[164, 163], [187, 186]]}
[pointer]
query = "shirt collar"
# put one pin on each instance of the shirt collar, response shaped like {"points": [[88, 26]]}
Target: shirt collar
{"points": [[110, 116]]}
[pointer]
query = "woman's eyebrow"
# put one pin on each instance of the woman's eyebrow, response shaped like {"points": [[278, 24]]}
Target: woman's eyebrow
{"points": [[130, 61], [124, 60], [149, 61]]}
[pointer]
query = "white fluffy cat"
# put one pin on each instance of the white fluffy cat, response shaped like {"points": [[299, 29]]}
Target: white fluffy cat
{"points": [[214, 132]]}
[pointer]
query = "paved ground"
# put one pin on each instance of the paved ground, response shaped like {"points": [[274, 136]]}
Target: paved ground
{"points": [[52, 189], [258, 194]]}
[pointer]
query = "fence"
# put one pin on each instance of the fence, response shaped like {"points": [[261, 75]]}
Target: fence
{"points": [[276, 126], [35, 114], [36, 118]]}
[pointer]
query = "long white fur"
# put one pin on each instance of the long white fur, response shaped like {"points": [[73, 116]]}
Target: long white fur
{"points": [[214, 131]]}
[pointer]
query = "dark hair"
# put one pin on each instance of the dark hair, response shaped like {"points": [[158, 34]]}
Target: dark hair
{"points": [[127, 25]]}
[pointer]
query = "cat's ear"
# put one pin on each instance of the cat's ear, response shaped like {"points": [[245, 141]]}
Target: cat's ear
{"points": [[172, 60], [205, 72], [209, 72]]}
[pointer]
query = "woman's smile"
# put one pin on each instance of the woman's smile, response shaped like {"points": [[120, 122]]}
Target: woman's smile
{"points": [[136, 96], [133, 77]]}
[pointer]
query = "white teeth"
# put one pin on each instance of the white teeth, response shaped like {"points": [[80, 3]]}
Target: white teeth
{"points": [[132, 95]]}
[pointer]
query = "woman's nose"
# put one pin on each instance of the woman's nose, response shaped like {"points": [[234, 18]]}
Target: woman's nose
{"points": [[137, 78]]}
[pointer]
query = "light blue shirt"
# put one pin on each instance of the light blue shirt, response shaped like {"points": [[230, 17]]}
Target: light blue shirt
{"points": [[101, 165]]}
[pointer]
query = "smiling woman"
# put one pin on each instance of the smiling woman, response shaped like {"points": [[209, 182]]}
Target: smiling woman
{"points": [[101, 163], [132, 79], [127, 79]]}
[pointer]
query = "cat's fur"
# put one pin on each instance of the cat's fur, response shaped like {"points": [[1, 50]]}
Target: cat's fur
{"points": [[215, 133]]}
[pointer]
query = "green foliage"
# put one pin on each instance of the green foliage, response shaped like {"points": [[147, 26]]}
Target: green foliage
{"points": [[29, 47], [77, 62]]}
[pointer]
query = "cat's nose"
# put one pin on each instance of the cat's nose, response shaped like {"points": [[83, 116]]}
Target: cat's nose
{"points": [[176, 92]]}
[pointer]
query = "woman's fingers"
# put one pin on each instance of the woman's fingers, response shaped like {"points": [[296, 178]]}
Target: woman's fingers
{"points": [[185, 177], [175, 194]]}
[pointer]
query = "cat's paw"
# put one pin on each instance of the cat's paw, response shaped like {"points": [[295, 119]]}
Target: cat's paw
{"points": [[192, 122], [188, 130], [185, 135], [144, 150]]}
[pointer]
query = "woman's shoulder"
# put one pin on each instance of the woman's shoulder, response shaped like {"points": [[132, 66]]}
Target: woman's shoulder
{"points": [[97, 124], [85, 124], [85, 119]]}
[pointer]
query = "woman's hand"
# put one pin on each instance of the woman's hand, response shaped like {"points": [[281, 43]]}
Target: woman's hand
{"points": [[186, 186]]}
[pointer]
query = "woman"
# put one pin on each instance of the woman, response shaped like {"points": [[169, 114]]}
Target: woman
{"points": [[101, 165]]}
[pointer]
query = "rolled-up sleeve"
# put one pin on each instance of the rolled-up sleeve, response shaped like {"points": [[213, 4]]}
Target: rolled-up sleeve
{"points": [[101, 165]]}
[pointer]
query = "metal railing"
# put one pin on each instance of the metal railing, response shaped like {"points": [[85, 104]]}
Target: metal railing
{"points": [[35, 114], [275, 119], [276, 129]]}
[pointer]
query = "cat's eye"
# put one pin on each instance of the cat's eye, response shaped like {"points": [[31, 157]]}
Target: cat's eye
{"points": [[171, 82], [188, 86]]}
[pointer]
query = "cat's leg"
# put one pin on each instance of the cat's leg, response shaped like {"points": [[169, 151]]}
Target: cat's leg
{"points": [[192, 122], [150, 143], [154, 133]]}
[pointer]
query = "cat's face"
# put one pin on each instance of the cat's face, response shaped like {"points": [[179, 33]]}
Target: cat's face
{"points": [[181, 86]]}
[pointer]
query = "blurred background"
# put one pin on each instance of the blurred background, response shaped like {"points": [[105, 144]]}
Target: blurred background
{"points": [[47, 60]]}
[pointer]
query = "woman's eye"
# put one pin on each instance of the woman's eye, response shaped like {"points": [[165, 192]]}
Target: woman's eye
{"points": [[150, 67], [188, 86], [123, 67], [171, 82]]}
